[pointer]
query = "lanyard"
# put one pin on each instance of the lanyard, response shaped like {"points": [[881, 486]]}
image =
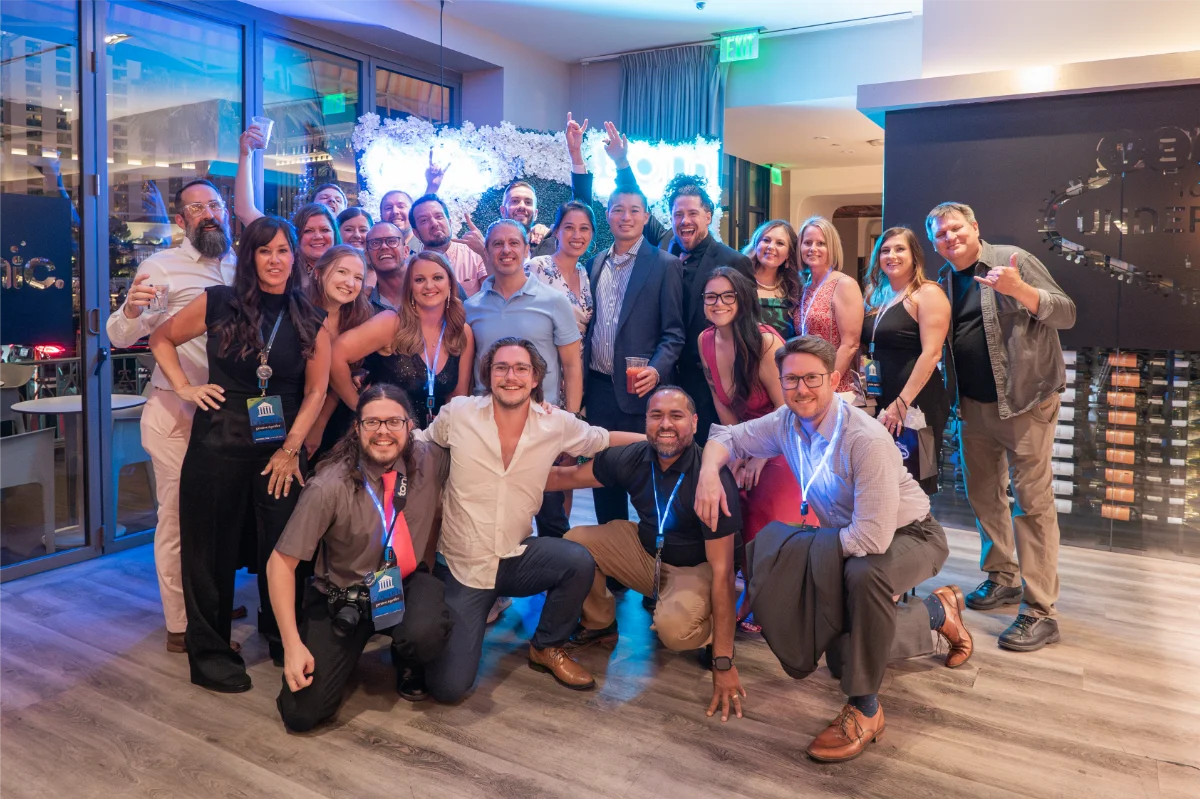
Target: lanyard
{"points": [[837, 429], [388, 555], [808, 310], [431, 367], [662, 513], [264, 372], [879, 321]]}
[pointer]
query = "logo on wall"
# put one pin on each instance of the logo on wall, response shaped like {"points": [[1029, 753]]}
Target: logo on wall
{"points": [[18, 271], [1141, 203]]}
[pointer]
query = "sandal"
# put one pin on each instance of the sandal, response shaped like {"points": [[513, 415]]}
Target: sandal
{"points": [[747, 625]]}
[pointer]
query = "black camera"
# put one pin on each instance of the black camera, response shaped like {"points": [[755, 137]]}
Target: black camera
{"points": [[346, 607]]}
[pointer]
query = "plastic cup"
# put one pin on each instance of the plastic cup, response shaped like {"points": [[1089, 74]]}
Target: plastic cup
{"points": [[265, 125], [633, 370], [159, 303]]}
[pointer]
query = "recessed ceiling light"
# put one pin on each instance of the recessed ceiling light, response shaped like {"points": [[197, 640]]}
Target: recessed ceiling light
{"points": [[820, 137]]}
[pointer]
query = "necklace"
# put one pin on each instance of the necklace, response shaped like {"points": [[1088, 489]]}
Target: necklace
{"points": [[776, 287]]}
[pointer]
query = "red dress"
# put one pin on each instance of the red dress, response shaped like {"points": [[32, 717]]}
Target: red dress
{"points": [[776, 498], [814, 317]]}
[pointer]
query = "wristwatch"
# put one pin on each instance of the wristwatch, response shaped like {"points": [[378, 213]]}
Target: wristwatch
{"points": [[722, 663]]}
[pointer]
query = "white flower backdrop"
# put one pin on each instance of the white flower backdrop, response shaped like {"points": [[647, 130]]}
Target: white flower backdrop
{"points": [[394, 154]]}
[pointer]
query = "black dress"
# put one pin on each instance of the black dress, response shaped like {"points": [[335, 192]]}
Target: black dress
{"points": [[409, 373], [897, 347], [227, 518]]}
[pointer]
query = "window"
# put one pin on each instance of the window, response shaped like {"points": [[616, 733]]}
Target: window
{"points": [[398, 96]]}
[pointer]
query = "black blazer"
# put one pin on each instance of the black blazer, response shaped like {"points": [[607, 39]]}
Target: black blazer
{"points": [[715, 254], [650, 324]]}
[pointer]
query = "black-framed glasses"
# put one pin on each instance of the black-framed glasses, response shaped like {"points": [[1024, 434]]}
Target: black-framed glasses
{"points": [[813, 380], [394, 424], [383, 241], [725, 298], [215, 207]]}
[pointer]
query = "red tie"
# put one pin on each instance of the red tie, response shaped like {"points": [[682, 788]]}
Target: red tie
{"points": [[406, 559]]}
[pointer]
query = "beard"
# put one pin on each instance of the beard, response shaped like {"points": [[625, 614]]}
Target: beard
{"points": [[384, 462], [436, 241], [211, 239], [669, 449], [504, 403]]}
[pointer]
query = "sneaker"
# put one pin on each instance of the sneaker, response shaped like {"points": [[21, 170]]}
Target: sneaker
{"points": [[991, 594], [1029, 634], [501, 604]]}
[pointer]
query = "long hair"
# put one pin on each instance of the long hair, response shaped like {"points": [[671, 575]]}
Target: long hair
{"points": [[241, 333], [350, 314], [747, 337], [348, 449], [353, 212], [409, 338], [789, 270], [568, 207], [300, 219], [535, 358], [878, 288], [833, 242]]}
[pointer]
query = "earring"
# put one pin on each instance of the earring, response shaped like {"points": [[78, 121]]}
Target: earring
{"points": [[447, 300]]}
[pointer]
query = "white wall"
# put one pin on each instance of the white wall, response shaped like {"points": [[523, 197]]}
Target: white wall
{"points": [[820, 192]]}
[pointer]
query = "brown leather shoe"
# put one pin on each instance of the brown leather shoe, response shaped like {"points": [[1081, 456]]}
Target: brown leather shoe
{"points": [[564, 668], [847, 736], [954, 630], [238, 613], [175, 643]]}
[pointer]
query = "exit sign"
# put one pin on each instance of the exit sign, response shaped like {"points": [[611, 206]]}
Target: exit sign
{"points": [[739, 46]]}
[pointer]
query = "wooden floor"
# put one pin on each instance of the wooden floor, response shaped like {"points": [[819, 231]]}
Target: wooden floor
{"points": [[94, 707]]}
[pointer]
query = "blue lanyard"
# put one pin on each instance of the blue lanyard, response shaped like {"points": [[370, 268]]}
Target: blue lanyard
{"points": [[837, 429], [431, 367], [388, 556], [661, 538]]}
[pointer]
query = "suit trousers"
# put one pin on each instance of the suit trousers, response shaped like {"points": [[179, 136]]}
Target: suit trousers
{"points": [[693, 381], [993, 448], [166, 428], [561, 568], [416, 641], [683, 614], [877, 629], [600, 397]]}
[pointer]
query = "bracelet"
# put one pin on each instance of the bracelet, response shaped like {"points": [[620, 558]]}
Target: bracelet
{"points": [[291, 453], [901, 399]]}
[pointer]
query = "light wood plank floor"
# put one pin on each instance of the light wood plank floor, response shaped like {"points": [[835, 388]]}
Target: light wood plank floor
{"points": [[94, 707]]}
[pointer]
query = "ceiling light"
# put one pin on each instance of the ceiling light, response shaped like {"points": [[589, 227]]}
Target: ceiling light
{"points": [[820, 137]]}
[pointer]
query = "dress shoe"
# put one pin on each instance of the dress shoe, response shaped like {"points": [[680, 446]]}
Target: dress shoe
{"points": [[410, 684], [501, 604], [585, 637], [567, 671], [954, 630], [991, 594], [234, 685], [1029, 634], [176, 643], [847, 736]]}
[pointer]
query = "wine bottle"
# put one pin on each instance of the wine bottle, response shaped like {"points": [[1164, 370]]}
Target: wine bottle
{"points": [[1122, 437], [1060, 450], [1123, 360], [1124, 513], [1066, 413], [1062, 488], [1064, 505], [1109, 418], [1157, 479], [1125, 380], [1127, 400], [1095, 478], [1064, 432]]}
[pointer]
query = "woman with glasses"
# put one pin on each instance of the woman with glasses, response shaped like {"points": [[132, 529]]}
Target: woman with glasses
{"points": [[573, 231], [268, 359], [425, 347], [353, 225], [773, 254], [907, 319], [831, 304]]}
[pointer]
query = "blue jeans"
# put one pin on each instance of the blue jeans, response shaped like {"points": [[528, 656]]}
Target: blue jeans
{"points": [[561, 568]]}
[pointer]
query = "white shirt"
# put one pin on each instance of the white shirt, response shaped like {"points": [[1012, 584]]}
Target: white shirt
{"points": [[487, 510], [186, 274]]}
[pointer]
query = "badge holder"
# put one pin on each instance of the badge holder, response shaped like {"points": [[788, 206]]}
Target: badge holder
{"points": [[387, 594], [267, 424]]}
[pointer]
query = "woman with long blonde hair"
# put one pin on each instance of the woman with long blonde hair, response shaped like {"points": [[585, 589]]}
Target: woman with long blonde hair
{"points": [[425, 347], [831, 304]]}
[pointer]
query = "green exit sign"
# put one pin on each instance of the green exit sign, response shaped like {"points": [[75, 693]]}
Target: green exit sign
{"points": [[333, 104], [776, 176], [739, 46]]}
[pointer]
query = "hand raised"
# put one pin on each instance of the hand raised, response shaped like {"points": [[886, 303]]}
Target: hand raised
{"points": [[1004, 279], [473, 238], [434, 174], [574, 133], [616, 145]]}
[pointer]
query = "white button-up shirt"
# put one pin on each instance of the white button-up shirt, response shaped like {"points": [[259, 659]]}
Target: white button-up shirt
{"points": [[487, 510], [186, 274]]}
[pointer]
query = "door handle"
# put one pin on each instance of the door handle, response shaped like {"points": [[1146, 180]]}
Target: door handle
{"points": [[93, 323]]}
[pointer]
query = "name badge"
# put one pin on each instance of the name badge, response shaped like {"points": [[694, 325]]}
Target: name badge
{"points": [[266, 419], [871, 378], [387, 597]]}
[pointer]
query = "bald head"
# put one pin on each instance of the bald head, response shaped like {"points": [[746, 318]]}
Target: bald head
{"points": [[386, 250]]}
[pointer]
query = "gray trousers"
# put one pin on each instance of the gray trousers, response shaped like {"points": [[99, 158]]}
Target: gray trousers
{"points": [[877, 629]]}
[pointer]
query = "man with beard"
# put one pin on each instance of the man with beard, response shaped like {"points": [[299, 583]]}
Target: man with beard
{"points": [[853, 481], [387, 254], [670, 553], [202, 259], [430, 218], [502, 446], [371, 506]]}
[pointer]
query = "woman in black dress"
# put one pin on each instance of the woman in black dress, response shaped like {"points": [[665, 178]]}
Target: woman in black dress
{"points": [[425, 347], [907, 318], [244, 466]]}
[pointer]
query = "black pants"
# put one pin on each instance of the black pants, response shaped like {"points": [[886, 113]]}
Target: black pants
{"points": [[551, 518], [600, 395], [692, 380], [561, 568], [225, 512], [416, 641]]}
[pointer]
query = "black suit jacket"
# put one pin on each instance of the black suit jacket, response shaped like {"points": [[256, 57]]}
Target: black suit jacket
{"points": [[650, 323]]}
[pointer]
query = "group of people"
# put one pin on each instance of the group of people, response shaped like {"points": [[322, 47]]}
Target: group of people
{"points": [[451, 393]]}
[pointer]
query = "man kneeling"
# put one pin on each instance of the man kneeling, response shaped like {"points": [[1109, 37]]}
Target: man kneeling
{"points": [[371, 508], [852, 479], [685, 564]]}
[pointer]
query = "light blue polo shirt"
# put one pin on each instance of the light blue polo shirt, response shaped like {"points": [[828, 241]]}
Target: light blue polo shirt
{"points": [[536, 312]]}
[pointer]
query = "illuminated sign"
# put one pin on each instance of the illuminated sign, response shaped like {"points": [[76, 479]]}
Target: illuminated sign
{"points": [[740, 46], [333, 104], [776, 176]]}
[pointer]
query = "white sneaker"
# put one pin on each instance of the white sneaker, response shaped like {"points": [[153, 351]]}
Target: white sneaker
{"points": [[501, 604]]}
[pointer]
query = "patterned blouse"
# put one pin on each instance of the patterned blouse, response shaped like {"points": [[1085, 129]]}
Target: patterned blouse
{"points": [[544, 269]]}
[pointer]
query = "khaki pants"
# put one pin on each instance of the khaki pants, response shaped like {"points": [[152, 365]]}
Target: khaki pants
{"points": [[990, 448], [683, 615], [166, 429]]}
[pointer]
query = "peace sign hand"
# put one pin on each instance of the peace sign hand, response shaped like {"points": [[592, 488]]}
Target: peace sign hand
{"points": [[616, 145]]}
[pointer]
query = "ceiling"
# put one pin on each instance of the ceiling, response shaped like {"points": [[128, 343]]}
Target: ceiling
{"points": [[570, 31], [817, 133]]}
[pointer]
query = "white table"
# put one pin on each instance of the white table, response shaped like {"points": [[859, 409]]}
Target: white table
{"points": [[68, 408]]}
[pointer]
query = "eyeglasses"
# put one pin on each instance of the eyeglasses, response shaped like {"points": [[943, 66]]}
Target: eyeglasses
{"points": [[520, 369], [814, 380], [726, 298], [393, 424], [215, 207], [383, 241]]}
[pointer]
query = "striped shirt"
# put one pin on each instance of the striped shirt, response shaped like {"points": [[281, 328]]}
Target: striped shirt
{"points": [[610, 294], [864, 491]]}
